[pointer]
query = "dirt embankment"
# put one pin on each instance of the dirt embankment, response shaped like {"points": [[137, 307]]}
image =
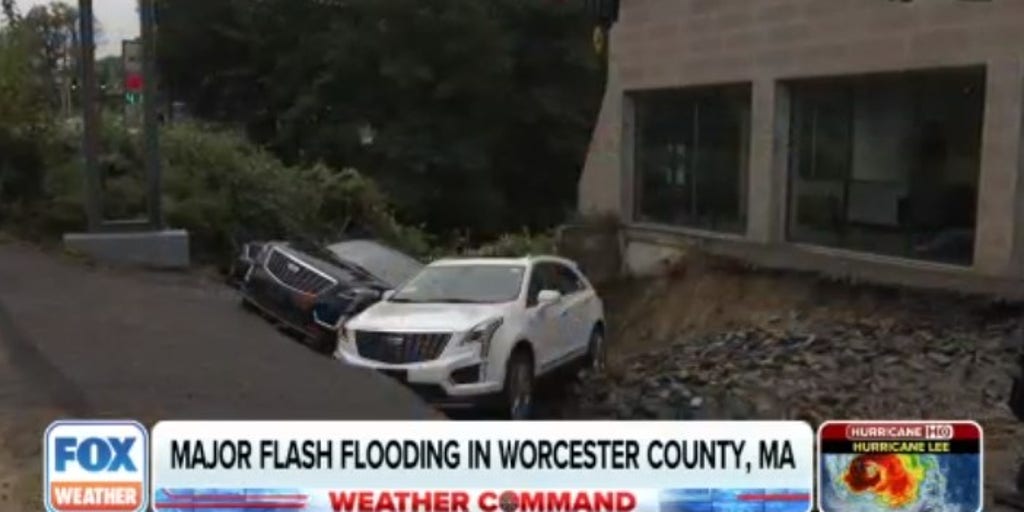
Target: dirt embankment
{"points": [[705, 294], [716, 339]]}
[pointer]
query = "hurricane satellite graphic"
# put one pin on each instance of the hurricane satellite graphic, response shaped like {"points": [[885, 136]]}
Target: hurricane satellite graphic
{"points": [[905, 482]]}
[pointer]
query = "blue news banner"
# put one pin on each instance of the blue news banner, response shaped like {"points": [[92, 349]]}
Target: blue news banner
{"points": [[676, 500], [754, 466], [735, 500], [230, 500]]}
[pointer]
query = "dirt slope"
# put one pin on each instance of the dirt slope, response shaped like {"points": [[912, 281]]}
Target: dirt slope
{"points": [[739, 343]]}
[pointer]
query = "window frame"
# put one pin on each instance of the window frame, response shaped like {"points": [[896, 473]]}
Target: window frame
{"points": [[565, 273], [695, 173], [805, 92], [536, 271]]}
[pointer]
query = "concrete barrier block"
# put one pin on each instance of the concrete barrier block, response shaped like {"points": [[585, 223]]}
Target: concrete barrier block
{"points": [[167, 249]]}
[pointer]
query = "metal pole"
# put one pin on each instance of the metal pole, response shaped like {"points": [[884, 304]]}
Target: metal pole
{"points": [[149, 103], [90, 116]]}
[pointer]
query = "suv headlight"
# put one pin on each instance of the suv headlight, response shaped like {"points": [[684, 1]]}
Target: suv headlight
{"points": [[482, 334], [264, 254]]}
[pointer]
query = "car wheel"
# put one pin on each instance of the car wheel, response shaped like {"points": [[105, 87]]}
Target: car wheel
{"points": [[597, 353], [248, 305], [519, 386]]}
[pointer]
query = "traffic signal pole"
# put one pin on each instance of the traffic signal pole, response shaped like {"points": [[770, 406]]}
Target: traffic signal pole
{"points": [[149, 105], [90, 116], [133, 242]]}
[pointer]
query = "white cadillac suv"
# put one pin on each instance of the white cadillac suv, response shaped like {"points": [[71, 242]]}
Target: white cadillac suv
{"points": [[464, 331]]}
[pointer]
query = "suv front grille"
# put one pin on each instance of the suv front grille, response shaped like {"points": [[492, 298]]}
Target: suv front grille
{"points": [[296, 274], [401, 348]]}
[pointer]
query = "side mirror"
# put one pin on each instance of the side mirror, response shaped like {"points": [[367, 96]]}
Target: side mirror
{"points": [[548, 296], [387, 294]]}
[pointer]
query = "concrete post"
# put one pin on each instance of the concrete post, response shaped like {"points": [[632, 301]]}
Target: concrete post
{"points": [[766, 171], [999, 178]]}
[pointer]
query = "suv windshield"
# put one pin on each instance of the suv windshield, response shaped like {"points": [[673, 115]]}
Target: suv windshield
{"points": [[483, 284], [383, 262]]}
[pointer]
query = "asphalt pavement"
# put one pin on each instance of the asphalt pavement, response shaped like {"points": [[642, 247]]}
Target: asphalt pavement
{"points": [[85, 341]]}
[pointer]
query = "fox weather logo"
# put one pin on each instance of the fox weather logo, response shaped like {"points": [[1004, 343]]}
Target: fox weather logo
{"points": [[95, 465]]}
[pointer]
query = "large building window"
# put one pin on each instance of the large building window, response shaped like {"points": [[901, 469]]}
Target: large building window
{"points": [[887, 164], [691, 157]]}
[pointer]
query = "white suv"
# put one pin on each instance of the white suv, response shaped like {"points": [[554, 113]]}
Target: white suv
{"points": [[465, 330]]}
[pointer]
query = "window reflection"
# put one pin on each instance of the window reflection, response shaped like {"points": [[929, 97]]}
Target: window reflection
{"points": [[887, 164], [691, 157]]}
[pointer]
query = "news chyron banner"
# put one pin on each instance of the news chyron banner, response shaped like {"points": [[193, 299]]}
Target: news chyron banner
{"points": [[879, 466], [566, 466]]}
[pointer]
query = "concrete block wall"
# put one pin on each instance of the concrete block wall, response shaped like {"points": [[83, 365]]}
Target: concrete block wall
{"points": [[679, 43]]}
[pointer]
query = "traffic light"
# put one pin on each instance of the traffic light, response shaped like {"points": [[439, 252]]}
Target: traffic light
{"points": [[133, 82], [131, 60]]}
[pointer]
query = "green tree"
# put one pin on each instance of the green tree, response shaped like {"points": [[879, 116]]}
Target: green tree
{"points": [[10, 11], [25, 118], [480, 111], [54, 27]]}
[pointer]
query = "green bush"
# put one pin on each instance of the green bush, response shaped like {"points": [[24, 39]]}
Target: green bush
{"points": [[225, 190], [221, 188], [25, 124], [516, 244]]}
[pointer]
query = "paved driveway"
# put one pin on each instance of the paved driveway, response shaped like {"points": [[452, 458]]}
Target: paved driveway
{"points": [[129, 343], [77, 341]]}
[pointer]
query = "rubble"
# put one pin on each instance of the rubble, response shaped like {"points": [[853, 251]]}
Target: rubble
{"points": [[709, 343], [858, 369]]}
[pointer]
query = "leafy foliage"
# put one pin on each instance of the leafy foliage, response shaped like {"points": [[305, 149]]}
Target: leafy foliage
{"points": [[25, 120], [10, 11], [465, 119], [53, 28], [481, 111], [516, 244], [36, 54], [224, 190]]}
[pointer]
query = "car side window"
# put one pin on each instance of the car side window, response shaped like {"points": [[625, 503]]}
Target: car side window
{"points": [[568, 280], [540, 279]]}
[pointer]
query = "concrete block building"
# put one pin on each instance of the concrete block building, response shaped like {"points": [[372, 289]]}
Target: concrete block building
{"points": [[878, 139]]}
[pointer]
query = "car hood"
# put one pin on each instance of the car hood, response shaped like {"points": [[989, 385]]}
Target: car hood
{"points": [[399, 316], [342, 275]]}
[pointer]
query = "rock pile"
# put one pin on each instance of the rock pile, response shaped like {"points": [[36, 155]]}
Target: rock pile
{"points": [[794, 369]]}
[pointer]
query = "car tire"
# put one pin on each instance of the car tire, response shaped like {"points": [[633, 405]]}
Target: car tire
{"points": [[597, 352], [518, 390], [248, 305]]}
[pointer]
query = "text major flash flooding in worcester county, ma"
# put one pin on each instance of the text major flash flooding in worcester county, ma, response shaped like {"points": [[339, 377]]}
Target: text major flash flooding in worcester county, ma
{"points": [[408, 467], [444, 454]]}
